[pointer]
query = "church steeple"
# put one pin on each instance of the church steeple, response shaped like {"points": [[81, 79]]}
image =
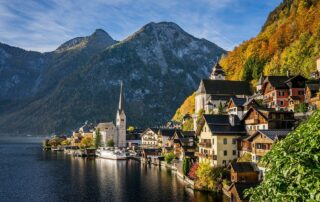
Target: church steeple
{"points": [[217, 73], [121, 121], [121, 98]]}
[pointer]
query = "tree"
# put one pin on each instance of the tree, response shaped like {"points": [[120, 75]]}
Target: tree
{"points": [[186, 165], [97, 140], [220, 108], [302, 107], [293, 166], [169, 157], [86, 142], [131, 128], [110, 143], [205, 176]]}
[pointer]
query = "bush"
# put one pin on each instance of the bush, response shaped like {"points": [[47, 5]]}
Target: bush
{"points": [[293, 166], [205, 176], [169, 157], [193, 171]]}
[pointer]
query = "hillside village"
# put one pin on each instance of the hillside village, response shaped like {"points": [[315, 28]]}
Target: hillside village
{"points": [[234, 126]]}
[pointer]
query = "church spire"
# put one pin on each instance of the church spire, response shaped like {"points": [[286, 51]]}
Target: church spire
{"points": [[121, 98]]}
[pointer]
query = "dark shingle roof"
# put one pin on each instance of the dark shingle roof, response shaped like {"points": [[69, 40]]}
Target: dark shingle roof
{"points": [[221, 124], [226, 87], [278, 81], [238, 101], [217, 69], [242, 166], [168, 132]]}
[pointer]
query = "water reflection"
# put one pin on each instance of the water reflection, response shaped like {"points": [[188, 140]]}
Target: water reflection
{"points": [[29, 174]]}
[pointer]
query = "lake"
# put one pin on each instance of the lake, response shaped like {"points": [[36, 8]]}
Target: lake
{"points": [[29, 174]]}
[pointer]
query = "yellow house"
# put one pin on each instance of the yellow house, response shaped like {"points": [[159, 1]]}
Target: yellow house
{"points": [[219, 138]]}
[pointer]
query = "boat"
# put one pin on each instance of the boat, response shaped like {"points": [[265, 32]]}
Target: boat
{"points": [[113, 154]]}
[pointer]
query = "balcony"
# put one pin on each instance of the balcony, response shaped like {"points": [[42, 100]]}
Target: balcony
{"points": [[207, 156], [205, 144], [252, 121]]}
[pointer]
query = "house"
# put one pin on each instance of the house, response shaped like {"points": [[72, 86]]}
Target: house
{"points": [[164, 135], [237, 190], [262, 141], [235, 106], [244, 172], [219, 138], [134, 138], [183, 144], [278, 89], [151, 152], [312, 96], [260, 118], [149, 138]]}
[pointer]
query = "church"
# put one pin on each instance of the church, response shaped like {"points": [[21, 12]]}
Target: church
{"points": [[216, 91], [108, 131]]}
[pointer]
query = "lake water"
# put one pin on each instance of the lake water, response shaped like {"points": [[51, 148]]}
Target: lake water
{"points": [[29, 174]]}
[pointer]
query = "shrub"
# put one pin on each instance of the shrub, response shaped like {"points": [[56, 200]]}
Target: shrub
{"points": [[169, 157], [186, 165], [193, 171]]}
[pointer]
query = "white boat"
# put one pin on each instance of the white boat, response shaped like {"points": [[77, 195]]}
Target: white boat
{"points": [[107, 153]]}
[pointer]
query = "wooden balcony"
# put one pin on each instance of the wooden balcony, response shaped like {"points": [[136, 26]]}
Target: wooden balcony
{"points": [[207, 156], [252, 121]]}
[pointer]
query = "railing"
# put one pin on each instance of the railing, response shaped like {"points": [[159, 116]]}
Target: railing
{"points": [[208, 156]]}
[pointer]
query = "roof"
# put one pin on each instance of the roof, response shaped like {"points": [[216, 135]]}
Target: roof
{"points": [[224, 87], [273, 134], [168, 132], [242, 167], [238, 101], [277, 81], [220, 124], [261, 79], [241, 187], [154, 130], [103, 126]]}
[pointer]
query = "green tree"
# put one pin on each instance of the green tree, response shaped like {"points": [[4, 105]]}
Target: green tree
{"points": [[293, 166], [187, 125], [110, 143], [168, 157], [220, 108], [186, 165], [302, 107], [97, 140], [253, 68]]}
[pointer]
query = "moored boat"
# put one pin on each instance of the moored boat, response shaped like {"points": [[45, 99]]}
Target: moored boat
{"points": [[107, 153]]}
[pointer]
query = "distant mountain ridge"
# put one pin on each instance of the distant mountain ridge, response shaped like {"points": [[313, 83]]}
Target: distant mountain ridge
{"points": [[159, 64]]}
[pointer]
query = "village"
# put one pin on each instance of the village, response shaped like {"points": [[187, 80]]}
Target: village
{"points": [[233, 126]]}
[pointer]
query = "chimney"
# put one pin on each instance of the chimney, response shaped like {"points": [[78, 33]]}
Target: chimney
{"points": [[231, 120], [288, 73], [318, 65]]}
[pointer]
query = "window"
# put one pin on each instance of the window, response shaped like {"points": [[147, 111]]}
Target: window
{"points": [[234, 141], [224, 162], [234, 152], [225, 141], [225, 152], [281, 103]]}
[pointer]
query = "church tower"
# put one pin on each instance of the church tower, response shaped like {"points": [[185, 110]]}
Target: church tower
{"points": [[217, 73], [121, 122]]}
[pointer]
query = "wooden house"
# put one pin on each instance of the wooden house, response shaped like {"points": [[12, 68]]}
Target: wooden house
{"points": [[263, 140], [243, 172]]}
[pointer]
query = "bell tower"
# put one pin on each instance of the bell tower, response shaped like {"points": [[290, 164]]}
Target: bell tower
{"points": [[121, 122]]}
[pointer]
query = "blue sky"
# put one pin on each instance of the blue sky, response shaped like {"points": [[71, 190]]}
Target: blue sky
{"points": [[43, 25]]}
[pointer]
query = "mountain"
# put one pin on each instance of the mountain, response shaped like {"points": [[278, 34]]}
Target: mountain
{"points": [[160, 65], [289, 40]]}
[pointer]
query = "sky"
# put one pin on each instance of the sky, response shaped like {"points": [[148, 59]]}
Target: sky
{"points": [[43, 25]]}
